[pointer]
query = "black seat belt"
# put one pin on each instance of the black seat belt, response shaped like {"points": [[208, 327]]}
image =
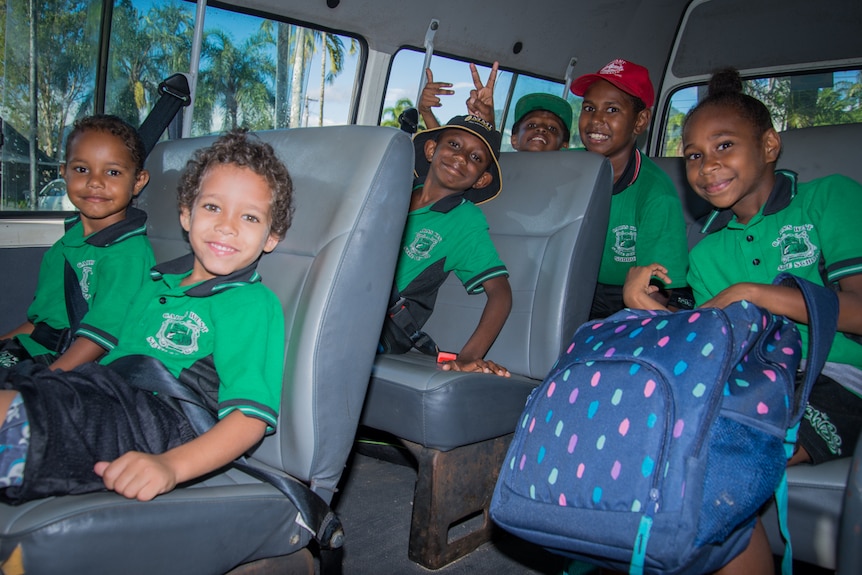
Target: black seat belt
{"points": [[400, 316], [148, 373], [174, 94], [409, 120], [76, 307]]}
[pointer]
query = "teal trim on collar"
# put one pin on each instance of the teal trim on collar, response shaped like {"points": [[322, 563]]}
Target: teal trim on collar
{"points": [[630, 174], [134, 224], [783, 192], [183, 266]]}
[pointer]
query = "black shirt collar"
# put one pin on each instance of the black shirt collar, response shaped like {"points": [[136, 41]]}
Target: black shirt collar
{"points": [[134, 224], [443, 205], [630, 174], [447, 204], [184, 264], [783, 192]]}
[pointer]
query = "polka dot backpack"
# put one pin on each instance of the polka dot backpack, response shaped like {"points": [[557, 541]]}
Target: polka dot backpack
{"points": [[656, 437]]}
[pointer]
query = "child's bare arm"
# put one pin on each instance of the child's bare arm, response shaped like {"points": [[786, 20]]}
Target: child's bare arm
{"points": [[788, 301], [430, 98], [143, 476], [494, 315], [80, 352], [26, 327], [638, 291]]}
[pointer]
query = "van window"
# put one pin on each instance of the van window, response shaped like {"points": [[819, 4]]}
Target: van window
{"points": [[254, 72], [798, 101], [402, 91]]}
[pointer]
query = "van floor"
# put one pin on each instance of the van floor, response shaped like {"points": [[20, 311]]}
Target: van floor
{"points": [[375, 505]]}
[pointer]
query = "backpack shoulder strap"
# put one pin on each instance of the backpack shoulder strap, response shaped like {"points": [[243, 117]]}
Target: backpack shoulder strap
{"points": [[822, 305]]}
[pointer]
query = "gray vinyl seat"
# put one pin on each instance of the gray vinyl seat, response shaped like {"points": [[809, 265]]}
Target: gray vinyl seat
{"points": [[350, 210], [548, 225], [816, 494], [694, 208]]}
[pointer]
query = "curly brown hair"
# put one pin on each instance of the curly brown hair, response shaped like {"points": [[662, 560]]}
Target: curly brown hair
{"points": [[242, 149], [116, 127]]}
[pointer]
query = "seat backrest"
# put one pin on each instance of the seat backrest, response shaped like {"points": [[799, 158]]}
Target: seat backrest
{"points": [[333, 273], [821, 151], [694, 208], [549, 225]]}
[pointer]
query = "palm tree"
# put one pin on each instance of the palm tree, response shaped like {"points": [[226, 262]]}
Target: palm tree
{"points": [[236, 80], [303, 40], [331, 58]]}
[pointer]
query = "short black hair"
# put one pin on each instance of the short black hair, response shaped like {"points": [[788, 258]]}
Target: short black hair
{"points": [[248, 151], [115, 126]]}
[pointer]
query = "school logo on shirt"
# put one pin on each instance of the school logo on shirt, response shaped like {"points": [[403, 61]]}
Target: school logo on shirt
{"points": [[179, 333], [797, 249], [422, 245], [625, 239], [86, 268]]}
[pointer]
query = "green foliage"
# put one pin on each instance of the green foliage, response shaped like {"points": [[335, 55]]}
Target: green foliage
{"points": [[390, 115]]}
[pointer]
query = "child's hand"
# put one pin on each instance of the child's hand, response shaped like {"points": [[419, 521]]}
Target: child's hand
{"points": [[637, 289], [431, 92], [481, 100], [137, 475], [477, 365]]}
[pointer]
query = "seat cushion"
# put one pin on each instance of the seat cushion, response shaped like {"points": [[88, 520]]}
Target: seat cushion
{"points": [[416, 400], [814, 499]]}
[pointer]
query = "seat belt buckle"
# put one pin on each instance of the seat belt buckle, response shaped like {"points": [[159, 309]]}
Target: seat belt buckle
{"points": [[444, 356]]}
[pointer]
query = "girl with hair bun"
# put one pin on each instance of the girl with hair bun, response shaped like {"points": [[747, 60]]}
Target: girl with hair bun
{"points": [[765, 222]]}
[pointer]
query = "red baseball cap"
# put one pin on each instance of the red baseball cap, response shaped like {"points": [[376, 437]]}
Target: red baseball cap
{"points": [[627, 76]]}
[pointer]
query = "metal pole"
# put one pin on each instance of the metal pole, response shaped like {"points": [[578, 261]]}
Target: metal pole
{"points": [[194, 65], [429, 51], [34, 109], [570, 72]]}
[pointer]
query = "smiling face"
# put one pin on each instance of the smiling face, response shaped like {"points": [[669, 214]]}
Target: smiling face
{"points": [[727, 163], [229, 222], [539, 131], [609, 125], [101, 178], [459, 161]]}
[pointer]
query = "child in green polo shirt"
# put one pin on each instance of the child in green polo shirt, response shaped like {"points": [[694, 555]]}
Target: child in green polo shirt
{"points": [[445, 232], [101, 261], [205, 319], [766, 222], [646, 222]]}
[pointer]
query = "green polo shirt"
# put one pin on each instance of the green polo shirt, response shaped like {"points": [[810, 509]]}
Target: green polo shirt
{"points": [[456, 235], [802, 228], [111, 266], [225, 334], [645, 225], [450, 235]]}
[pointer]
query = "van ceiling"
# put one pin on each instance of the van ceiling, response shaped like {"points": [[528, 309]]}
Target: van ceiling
{"points": [[551, 31], [748, 34]]}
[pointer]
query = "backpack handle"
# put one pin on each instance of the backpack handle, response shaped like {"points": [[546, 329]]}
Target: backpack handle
{"points": [[822, 305]]}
